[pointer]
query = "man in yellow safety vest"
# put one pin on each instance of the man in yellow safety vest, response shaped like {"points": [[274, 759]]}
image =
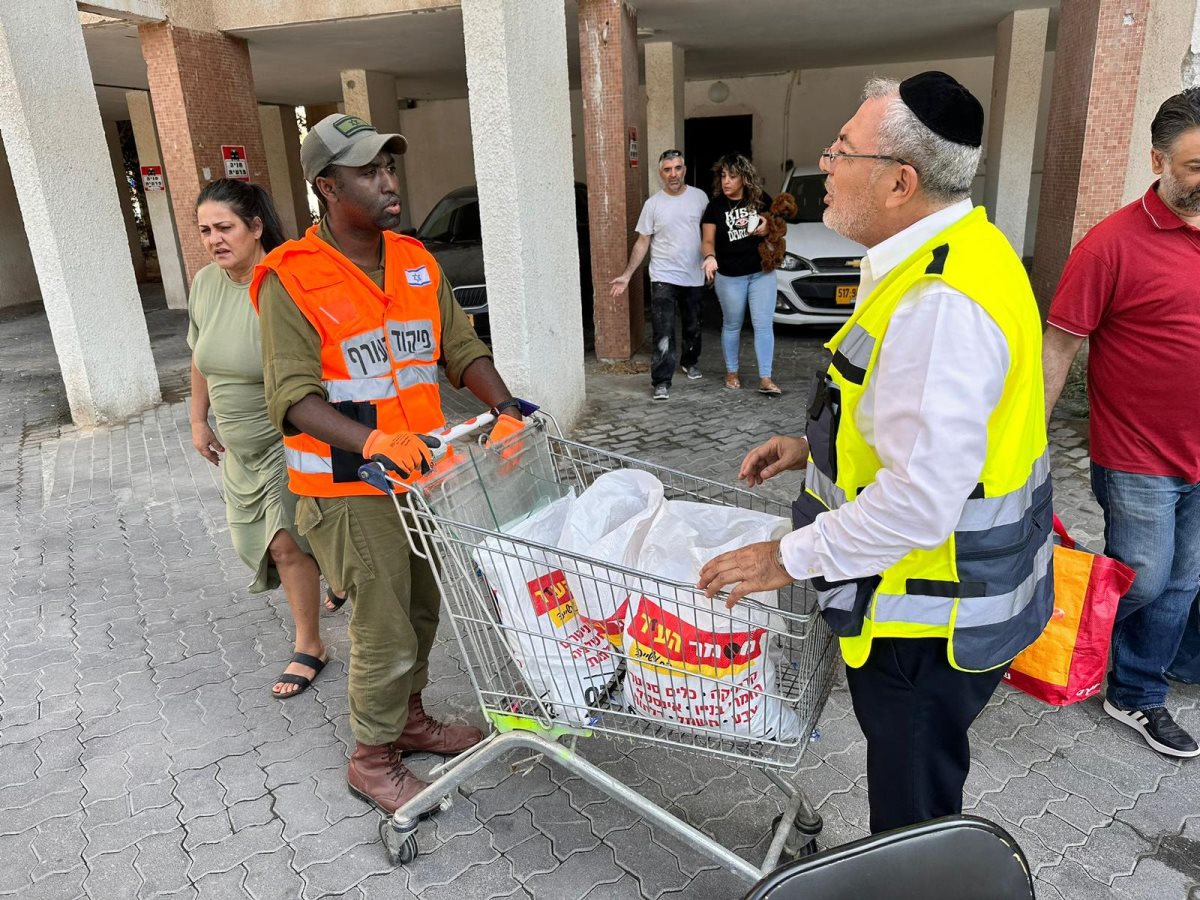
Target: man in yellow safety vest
{"points": [[925, 520]]}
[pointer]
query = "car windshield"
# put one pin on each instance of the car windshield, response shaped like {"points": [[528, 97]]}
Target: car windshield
{"points": [[809, 191], [453, 219]]}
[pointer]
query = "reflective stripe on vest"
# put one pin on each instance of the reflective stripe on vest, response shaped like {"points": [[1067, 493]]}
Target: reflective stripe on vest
{"points": [[307, 463], [382, 387], [988, 588]]}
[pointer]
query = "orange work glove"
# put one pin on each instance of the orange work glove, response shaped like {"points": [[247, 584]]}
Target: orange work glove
{"points": [[403, 452], [504, 427]]}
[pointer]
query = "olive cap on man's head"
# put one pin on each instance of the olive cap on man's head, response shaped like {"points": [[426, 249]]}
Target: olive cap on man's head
{"points": [[344, 141]]}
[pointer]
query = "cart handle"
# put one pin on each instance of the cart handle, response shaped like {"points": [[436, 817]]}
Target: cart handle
{"points": [[438, 442]]}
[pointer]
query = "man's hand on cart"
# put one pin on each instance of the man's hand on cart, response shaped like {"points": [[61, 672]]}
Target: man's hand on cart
{"points": [[777, 455], [404, 452], [752, 568]]}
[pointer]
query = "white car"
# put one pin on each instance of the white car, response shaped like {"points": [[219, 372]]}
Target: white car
{"points": [[817, 283]]}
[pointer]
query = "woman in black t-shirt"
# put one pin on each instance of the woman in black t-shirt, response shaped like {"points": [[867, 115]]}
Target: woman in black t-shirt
{"points": [[731, 230]]}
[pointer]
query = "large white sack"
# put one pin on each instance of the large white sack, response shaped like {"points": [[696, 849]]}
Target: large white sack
{"points": [[608, 523], [564, 660], [690, 661]]}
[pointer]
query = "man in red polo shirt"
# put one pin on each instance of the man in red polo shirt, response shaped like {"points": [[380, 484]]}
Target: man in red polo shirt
{"points": [[1132, 286]]}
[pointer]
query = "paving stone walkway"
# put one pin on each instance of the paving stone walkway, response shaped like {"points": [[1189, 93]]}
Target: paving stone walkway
{"points": [[142, 755]]}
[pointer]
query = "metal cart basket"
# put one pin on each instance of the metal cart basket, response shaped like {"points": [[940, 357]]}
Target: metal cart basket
{"points": [[462, 517]]}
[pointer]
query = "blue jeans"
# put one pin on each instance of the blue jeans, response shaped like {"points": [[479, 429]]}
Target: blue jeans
{"points": [[1186, 666], [736, 292], [1152, 524]]}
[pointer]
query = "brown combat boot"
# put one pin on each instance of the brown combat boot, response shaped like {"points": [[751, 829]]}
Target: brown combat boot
{"points": [[377, 775], [423, 734]]}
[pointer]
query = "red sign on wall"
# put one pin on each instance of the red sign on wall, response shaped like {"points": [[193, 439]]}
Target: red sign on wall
{"points": [[633, 147], [152, 179], [236, 166]]}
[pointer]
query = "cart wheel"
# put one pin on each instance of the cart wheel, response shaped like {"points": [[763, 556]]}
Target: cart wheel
{"points": [[401, 848], [802, 839], [801, 852]]}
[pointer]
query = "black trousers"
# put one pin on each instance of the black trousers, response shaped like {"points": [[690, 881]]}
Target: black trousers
{"points": [[664, 298], [915, 709]]}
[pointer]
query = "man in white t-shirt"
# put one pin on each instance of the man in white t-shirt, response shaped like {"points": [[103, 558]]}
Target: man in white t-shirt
{"points": [[669, 227]]}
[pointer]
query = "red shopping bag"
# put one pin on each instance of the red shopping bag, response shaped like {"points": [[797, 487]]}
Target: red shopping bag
{"points": [[1067, 662]]}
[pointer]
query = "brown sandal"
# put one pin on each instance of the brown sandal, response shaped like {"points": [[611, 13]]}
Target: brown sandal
{"points": [[732, 381], [770, 388]]}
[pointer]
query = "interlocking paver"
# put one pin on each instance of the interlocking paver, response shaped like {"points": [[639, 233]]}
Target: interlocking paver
{"points": [[577, 876], [1152, 880], [440, 864], [272, 876], [112, 875], [656, 868]]}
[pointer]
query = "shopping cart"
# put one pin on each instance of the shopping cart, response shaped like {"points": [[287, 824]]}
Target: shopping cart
{"points": [[464, 512]]}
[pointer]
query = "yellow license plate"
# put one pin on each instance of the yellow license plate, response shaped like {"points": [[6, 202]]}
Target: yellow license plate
{"points": [[845, 294]]}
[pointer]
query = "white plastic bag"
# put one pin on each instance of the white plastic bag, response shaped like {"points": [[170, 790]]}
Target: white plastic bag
{"points": [[564, 660], [609, 522], [693, 663]]}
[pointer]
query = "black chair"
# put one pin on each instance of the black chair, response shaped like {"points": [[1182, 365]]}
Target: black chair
{"points": [[952, 858]]}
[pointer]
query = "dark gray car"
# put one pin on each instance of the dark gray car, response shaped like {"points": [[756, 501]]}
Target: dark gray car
{"points": [[451, 233]]}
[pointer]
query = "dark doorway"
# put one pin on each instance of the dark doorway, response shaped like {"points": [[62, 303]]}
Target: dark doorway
{"points": [[707, 139]]}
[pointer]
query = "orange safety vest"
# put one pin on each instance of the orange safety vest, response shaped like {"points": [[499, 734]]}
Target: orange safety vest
{"points": [[379, 348]]}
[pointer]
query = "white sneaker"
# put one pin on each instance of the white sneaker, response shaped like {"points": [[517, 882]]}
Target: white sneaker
{"points": [[661, 392]]}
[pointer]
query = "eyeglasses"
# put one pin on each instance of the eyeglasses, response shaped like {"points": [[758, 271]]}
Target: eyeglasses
{"points": [[831, 156], [670, 154]]}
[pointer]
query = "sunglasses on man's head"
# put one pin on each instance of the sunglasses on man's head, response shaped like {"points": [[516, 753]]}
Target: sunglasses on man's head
{"points": [[670, 154]]}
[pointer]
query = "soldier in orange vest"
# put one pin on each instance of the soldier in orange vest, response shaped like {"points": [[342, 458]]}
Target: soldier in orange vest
{"points": [[355, 322]]}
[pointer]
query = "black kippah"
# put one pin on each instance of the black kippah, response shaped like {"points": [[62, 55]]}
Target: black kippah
{"points": [[945, 107]]}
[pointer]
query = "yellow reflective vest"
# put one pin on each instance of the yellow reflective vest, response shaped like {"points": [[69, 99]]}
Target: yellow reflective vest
{"points": [[989, 588]]}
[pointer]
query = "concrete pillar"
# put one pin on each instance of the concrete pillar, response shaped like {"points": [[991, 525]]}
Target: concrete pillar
{"points": [[18, 278], [1016, 89], [520, 111], [158, 203], [612, 108], [372, 96], [1169, 65], [281, 140], [113, 139], [664, 105], [1096, 67], [60, 167], [203, 95]]}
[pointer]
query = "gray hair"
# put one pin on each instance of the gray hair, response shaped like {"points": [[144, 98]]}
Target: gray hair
{"points": [[1178, 114], [946, 169]]}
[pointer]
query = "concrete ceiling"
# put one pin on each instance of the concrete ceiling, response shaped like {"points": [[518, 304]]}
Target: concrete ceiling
{"points": [[299, 64]]}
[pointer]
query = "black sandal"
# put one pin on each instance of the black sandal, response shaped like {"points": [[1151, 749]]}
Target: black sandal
{"points": [[333, 601], [288, 678]]}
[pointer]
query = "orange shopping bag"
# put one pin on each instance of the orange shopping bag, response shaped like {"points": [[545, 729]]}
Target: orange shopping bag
{"points": [[1067, 662]]}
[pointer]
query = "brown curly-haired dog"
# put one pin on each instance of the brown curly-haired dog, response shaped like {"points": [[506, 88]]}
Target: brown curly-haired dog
{"points": [[774, 244]]}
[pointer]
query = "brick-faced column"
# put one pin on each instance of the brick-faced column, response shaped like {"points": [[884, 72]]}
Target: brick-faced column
{"points": [[203, 95], [1092, 101], [612, 105]]}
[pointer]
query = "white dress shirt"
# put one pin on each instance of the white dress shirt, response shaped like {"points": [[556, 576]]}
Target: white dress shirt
{"points": [[925, 411]]}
